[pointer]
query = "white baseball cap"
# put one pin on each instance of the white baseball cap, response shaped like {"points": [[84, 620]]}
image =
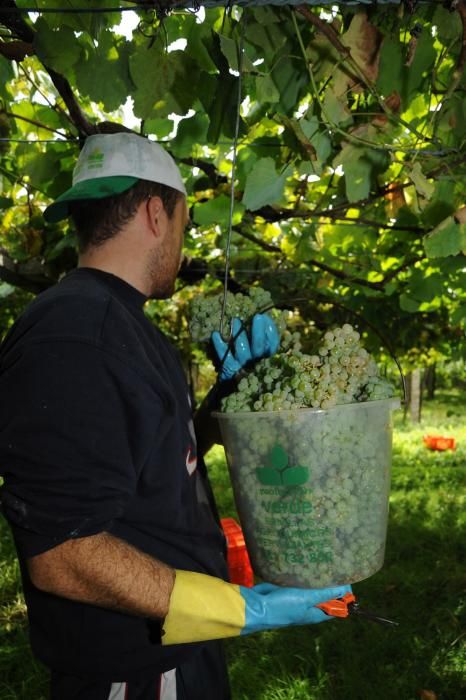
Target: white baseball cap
{"points": [[110, 164]]}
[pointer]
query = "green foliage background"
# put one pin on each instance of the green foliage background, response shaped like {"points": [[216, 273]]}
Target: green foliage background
{"points": [[349, 200]]}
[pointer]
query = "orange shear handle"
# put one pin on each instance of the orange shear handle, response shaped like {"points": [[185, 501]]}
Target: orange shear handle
{"points": [[338, 607]]}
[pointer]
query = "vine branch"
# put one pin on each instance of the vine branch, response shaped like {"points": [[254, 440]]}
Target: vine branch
{"points": [[339, 274], [268, 247], [31, 121], [16, 50], [12, 273]]}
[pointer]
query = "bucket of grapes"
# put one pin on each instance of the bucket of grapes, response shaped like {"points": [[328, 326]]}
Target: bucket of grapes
{"points": [[308, 441]]}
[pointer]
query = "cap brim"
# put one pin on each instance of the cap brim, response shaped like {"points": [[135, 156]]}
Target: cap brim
{"points": [[98, 188]]}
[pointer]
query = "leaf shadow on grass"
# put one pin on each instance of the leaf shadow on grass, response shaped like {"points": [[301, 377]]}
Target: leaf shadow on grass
{"points": [[21, 676]]}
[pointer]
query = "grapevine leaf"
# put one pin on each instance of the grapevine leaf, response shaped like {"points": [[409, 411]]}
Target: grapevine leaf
{"points": [[441, 205], [420, 69], [57, 49], [199, 40], [453, 118], [448, 23], [159, 127], [319, 139], [357, 179], [265, 16], [426, 288], [363, 39], [190, 132], [92, 22], [360, 165], [459, 315], [288, 82], [408, 304], [185, 86], [263, 184], [294, 125], [6, 290], [335, 109], [230, 49], [267, 37], [266, 90], [6, 202], [41, 167], [220, 102], [323, 56], [217, 211], [390, 66], [357, 170], [153, 73], [103, 74], [6, 74], [423, 186], [300, 246], [448, 238], [164, 83]]}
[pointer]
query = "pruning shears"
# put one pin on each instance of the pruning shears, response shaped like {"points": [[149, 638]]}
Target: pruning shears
{"points": [[347, 605]]}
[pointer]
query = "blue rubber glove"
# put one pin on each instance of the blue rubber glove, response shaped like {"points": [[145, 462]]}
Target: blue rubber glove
{"points": [[269, 606], [205, 607], [265, 340]]}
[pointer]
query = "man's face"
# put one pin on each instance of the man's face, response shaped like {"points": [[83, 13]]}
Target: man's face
{"points": [[167, 258]]}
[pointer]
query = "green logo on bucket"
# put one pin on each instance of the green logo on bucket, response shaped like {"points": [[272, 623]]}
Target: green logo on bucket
{"points": [[278, 473]]}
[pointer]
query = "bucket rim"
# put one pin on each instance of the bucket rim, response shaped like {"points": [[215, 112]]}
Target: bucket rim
{"points": [[392, 403]]}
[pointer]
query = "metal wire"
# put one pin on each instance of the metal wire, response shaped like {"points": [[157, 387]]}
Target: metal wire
{"points": [[31, 141], [70, 10], [233, 173]]}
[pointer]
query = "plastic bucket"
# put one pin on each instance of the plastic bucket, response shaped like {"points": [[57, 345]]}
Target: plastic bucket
{"points": [[311, 488]]}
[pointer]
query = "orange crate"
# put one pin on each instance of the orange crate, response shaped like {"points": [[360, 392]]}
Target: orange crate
{"points": [[239, 566], [439, 442]]}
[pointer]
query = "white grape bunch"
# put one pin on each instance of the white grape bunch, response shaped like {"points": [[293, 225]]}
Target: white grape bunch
{"points": [[206, 312], [340, 371]]}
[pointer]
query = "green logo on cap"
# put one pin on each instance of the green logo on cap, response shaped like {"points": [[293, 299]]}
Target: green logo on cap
{"points": [[95, 159]]}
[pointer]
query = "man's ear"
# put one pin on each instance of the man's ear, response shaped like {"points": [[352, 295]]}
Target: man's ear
{"points": [[156, 215]]}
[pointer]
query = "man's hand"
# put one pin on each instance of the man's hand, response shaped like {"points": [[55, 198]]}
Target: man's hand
{"points": [[264, 342], [269, 606], [203, 607]]}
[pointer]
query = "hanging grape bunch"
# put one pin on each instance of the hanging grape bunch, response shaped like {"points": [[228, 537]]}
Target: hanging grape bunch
{"points": [[340, 371]]}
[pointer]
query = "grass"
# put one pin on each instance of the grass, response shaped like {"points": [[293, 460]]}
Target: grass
{"points": [[422, 585], [21, 676]]}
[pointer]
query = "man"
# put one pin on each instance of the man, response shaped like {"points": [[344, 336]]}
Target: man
{"points": [[121, 555]]}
